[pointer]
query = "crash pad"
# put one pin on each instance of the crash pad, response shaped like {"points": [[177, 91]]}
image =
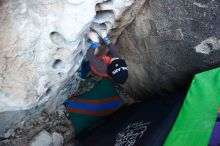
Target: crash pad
{"points": [[197, 117], [89, 108]]}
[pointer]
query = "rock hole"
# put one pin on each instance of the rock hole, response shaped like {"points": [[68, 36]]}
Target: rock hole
{"points": [[60, 49], [104, 16], [57, 38], [37, 107], [210, 46], [60, 74], [57, 63], [48, 91], [81, 53]]}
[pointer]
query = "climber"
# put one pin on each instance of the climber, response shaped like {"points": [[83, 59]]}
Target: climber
{"points": [[111, 66]]}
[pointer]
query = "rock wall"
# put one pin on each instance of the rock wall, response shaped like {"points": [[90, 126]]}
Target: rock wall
{"points": [[168, 42], [42, 44]]}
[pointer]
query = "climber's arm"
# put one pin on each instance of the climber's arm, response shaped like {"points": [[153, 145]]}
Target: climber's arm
{"points": [[99, 65], [113, 51]]}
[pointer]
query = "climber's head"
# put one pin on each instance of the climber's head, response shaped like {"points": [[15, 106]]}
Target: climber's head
{"points": [[118, 70]]}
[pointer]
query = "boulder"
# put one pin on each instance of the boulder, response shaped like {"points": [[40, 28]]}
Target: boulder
{"points": [[168, 42], [42, 45]]}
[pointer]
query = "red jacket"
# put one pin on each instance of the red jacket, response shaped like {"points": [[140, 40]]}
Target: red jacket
{"points": [[107, 61], [99, 64]]}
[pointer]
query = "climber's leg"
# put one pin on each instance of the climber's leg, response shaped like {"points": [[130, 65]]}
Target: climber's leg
{"points": [[85, 70]]}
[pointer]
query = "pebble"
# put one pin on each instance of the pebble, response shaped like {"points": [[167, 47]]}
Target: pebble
{"points": [[57, 139], [44, 138]]}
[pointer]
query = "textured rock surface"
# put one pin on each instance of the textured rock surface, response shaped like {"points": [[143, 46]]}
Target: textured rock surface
{"points": [[168, 42], [44, 138], [42, 44]]}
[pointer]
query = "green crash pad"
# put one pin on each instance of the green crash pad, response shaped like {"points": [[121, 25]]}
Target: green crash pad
{"points": [[88, 109], [194, 124]]}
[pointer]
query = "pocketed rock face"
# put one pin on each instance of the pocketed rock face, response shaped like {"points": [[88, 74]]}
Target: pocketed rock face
{"points": [[168, 42], [42, 44]]}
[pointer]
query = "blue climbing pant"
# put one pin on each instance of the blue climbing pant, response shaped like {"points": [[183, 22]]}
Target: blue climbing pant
{"points": [[85, 69]]}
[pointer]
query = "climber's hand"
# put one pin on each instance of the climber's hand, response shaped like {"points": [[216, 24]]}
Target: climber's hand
{"points": [[104, 36], [103, 33], [93, 36]]}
